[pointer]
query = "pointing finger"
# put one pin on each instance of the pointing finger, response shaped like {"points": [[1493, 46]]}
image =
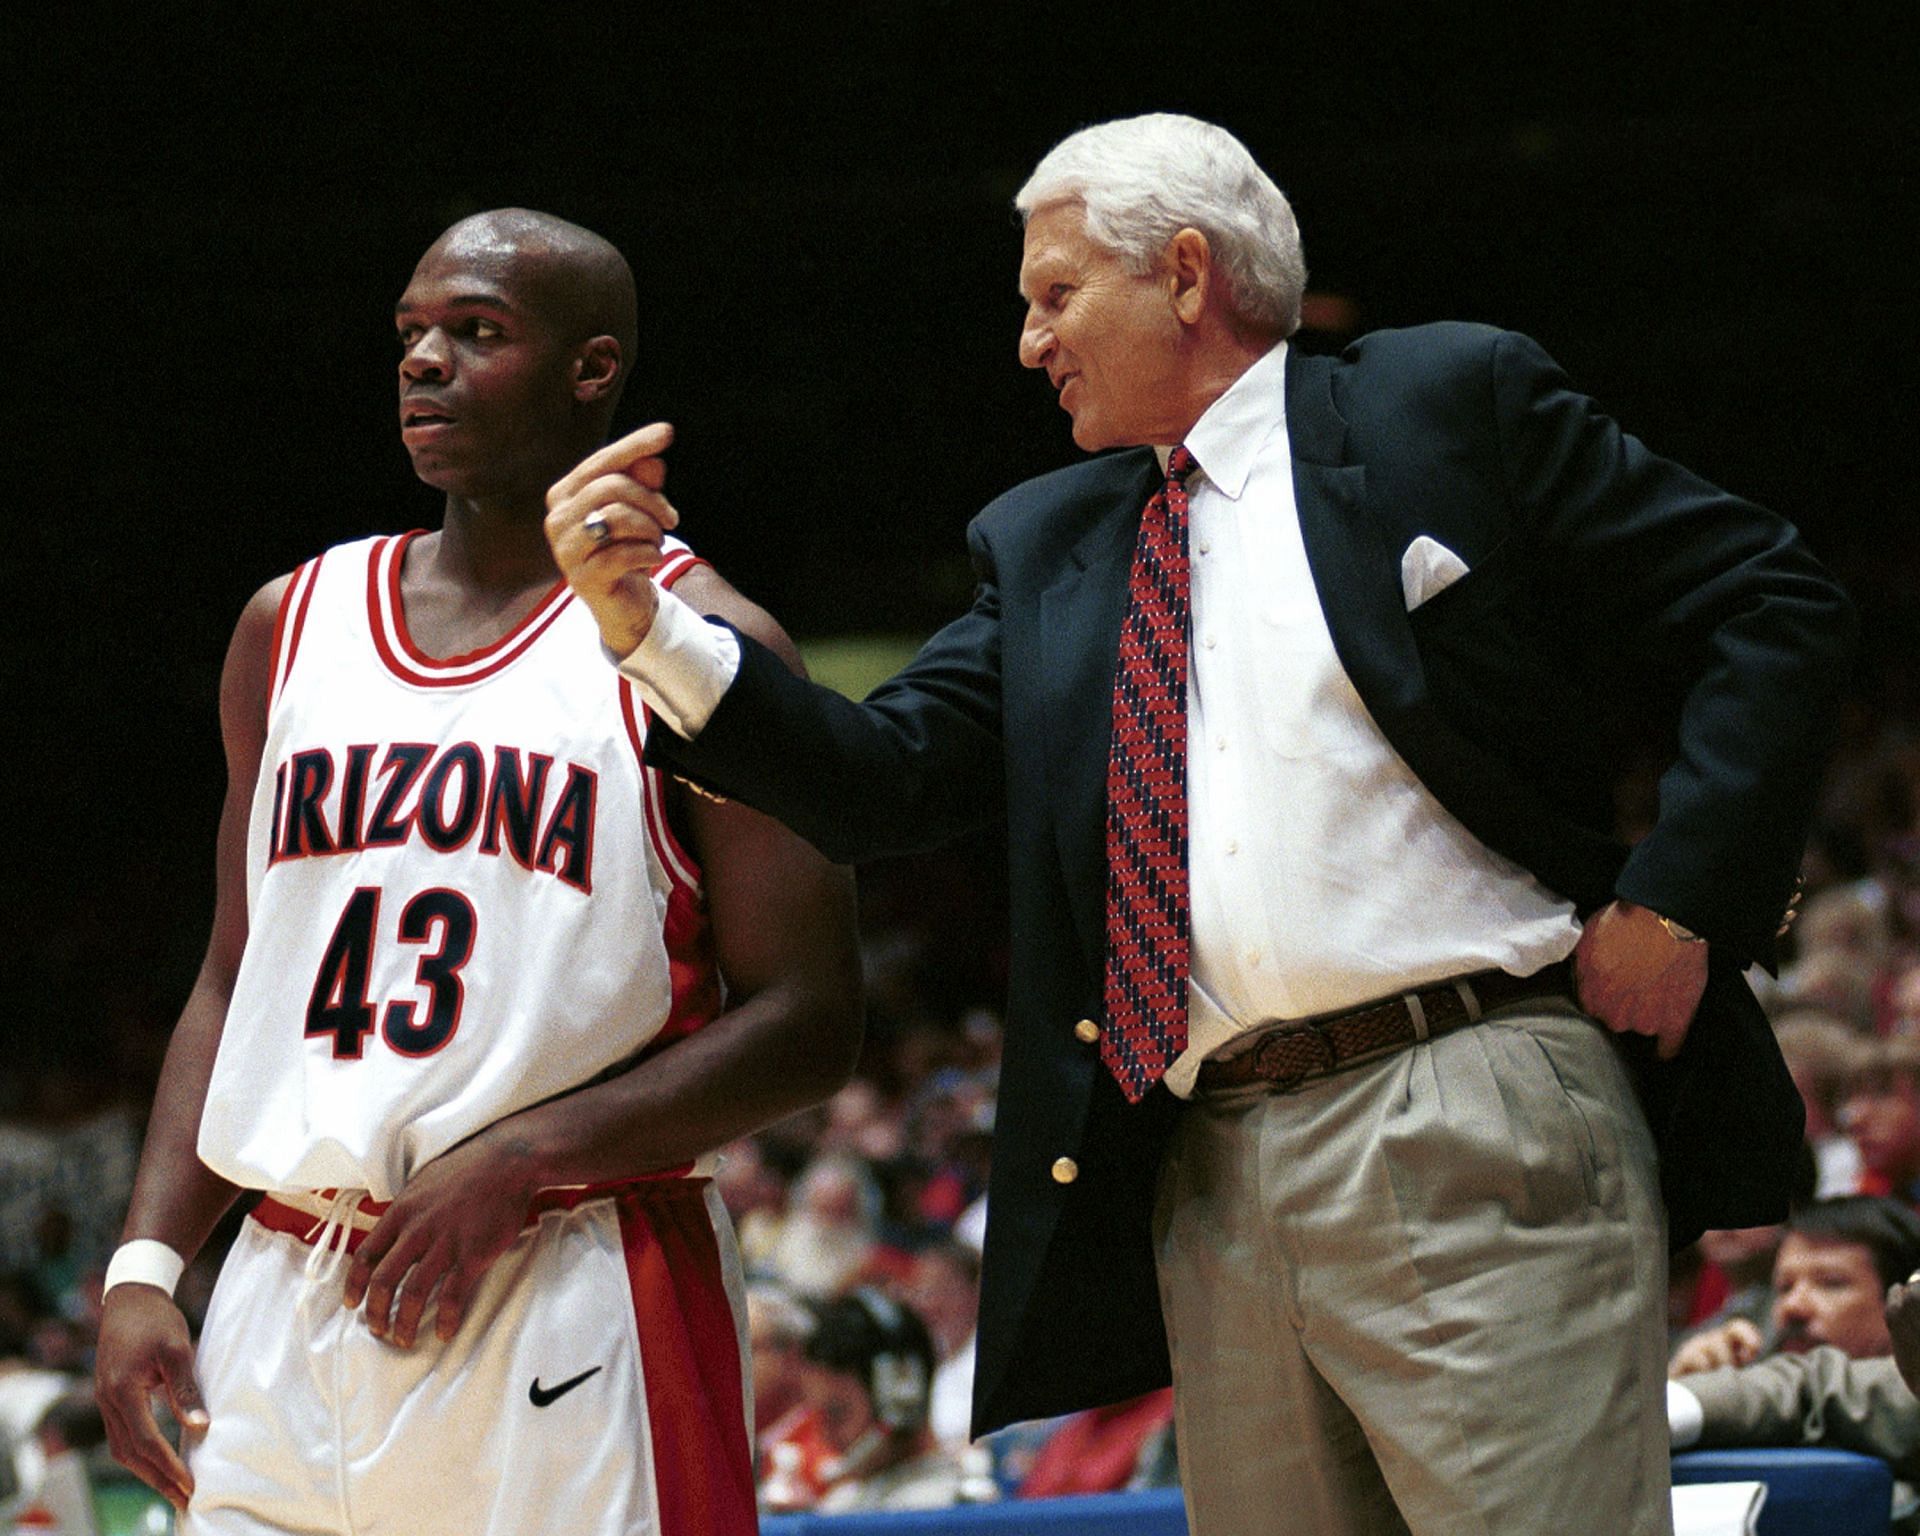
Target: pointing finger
{"points": [[648, 442]]}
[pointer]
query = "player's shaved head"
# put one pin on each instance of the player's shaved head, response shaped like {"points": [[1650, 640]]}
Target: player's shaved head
{"points": [[568, 277]]}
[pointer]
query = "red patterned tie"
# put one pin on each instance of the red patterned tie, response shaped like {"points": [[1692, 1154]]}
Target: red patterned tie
{"points": [[1147, 943]]}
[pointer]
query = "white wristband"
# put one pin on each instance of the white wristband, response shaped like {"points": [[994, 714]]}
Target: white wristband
{"points": [[145, 1261]]}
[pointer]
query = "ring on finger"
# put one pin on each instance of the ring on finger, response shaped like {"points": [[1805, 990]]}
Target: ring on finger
{"points": [[595, 522]]}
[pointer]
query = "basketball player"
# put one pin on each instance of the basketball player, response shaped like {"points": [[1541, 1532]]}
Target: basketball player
{"points": [[481, 993]]}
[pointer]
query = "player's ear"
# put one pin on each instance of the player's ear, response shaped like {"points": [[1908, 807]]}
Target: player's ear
{"points": [[596, 369]]}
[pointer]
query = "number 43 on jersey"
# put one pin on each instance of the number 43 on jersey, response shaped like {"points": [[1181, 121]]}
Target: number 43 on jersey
{"points": [[441, 923]]}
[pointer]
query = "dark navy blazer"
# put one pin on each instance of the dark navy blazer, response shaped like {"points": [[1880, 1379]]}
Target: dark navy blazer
{"points": [[1602, 581]]}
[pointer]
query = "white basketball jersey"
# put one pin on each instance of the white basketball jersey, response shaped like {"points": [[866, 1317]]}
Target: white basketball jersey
{"points": [[463, 896]]}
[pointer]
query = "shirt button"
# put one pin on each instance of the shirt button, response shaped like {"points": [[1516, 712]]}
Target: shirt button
{"points": [[1233, 847], [1065, 1170], [1086, 1031], [1209, 642], [1206, 548], [1220, 742]]}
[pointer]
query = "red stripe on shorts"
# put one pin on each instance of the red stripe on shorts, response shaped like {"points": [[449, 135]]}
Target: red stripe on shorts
{"points": [[690, 1362]]}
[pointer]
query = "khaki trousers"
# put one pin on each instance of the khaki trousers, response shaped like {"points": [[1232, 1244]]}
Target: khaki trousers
{"points": [[1426, 1295]]}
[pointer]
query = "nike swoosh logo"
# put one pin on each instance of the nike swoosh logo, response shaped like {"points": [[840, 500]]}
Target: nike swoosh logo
{"points": [[541, 1396]]}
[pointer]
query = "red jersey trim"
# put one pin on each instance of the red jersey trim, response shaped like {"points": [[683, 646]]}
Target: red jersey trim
{"points": [[695, 991], [681, 866], [677, 563], [286, 636], [386, 616]]}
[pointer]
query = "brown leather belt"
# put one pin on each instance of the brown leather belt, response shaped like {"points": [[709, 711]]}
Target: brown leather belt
{"points": [[1288, 1055]]}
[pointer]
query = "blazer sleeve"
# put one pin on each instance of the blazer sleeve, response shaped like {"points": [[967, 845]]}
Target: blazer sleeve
{"points": [[1821, 1398], [1717, 602], [915, 765]]}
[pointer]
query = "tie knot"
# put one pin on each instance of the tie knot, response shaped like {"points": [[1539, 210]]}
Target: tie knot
{"points": [[1180, 464]]}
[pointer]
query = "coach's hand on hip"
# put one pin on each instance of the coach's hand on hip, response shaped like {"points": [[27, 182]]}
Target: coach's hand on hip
{"points": [[1636, 976], [606, 519]]}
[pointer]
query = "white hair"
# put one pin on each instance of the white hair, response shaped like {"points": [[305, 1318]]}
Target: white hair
{"points": [[1143, 179]]}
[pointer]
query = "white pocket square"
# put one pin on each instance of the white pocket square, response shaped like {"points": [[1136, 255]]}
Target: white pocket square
{"points": [[1427, 569]]}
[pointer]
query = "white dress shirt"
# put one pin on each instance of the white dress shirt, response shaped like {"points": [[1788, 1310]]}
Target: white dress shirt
{"points": [[1323, 874]]}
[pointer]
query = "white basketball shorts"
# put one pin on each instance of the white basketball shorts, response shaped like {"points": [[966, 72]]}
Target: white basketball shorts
{"points": [[595, 1386]]}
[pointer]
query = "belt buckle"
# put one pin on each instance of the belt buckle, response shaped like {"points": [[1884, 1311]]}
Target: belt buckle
{"points": [[1269, 1062]]}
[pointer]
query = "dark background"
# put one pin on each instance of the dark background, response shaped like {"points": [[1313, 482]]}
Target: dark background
{"points": [[1704, 213]]}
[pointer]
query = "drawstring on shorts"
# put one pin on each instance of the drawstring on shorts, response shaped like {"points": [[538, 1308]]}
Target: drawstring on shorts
{"points": [[329, 1237]]}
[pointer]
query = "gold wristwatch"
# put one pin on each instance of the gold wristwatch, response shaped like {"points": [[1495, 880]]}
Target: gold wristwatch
{"points": [[1678, 931]]}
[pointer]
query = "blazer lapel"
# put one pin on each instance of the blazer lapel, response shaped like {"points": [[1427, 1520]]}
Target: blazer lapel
{"points": [[1357, 576], [1354, 572], [1080, 618]]}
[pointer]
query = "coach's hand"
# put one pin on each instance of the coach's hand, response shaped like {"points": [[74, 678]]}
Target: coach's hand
{"points": [[145, 1349], [606, 519], [1637, 978], [437, 1240]]}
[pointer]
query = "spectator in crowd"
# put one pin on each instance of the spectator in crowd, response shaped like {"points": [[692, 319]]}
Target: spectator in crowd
{"points": [[1881, 1115], [829, 1232], [1898, 875], [1735, 1278], [1834, 1265], [754, 1191], [950, 1125], [1903, 995], [860, 1123], [1843, 920], [790, 1444], [1833, 981], [1823, 1397], [57, 1269], [871, 1380], [944, 1288], [1105, 1450], [1823, 1055]]}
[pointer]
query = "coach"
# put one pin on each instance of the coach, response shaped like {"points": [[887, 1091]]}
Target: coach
{"points": [[1339, 1020]]}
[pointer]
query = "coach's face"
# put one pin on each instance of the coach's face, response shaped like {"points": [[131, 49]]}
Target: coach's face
{"points": [[1109, 339]]}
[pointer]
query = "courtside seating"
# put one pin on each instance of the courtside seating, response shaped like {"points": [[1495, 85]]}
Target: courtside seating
{"points": [[1809, 1493]]}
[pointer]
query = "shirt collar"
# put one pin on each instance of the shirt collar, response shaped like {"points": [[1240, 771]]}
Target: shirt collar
{"points": [[1230, 433]]}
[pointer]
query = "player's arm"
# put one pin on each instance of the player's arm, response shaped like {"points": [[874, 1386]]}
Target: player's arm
{"points": [[783, 929], [144, 1345]]}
